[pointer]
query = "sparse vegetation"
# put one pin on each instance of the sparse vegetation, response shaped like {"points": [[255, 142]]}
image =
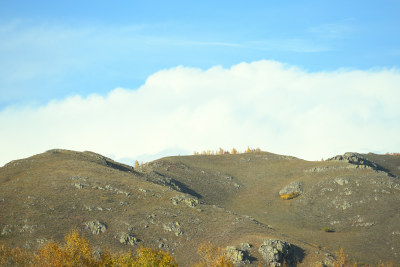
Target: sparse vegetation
{"points": [[328, 230]]}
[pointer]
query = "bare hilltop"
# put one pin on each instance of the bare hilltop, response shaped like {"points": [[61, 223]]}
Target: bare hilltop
{"points": [[263, 208]]}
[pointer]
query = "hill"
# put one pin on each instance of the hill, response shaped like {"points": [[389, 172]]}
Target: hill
{"points": [[176, 203]]}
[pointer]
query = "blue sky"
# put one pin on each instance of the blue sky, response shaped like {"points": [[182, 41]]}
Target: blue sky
{"points": [[54, 51]]}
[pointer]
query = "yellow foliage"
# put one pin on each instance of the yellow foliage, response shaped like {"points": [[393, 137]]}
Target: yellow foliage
{"points": [[136, 164], [234, 151], [77, 251], [289, 196], [151, 257], [212, 256]]}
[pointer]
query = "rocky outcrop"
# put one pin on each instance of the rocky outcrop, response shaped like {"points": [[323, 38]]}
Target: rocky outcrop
{"points": [[234, 254], [275, 252], [360, 162], [96, 227], [128, 239], [292, 190], [161, 179], [190, 202]]}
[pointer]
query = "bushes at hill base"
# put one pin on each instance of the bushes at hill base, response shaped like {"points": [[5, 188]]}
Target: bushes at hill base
{"points": [[78, 252]]}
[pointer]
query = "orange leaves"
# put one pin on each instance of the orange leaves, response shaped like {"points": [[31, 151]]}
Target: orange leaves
{"points": [[212, 256], [289, 196]]}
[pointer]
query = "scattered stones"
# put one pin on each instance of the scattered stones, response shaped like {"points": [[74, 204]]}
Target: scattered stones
{"points": [[78, 177], [276, 251], [318, 169], [28, 228], [96, 227], [79, 185], [6, 230], [326, 189], [360, 221], [174, 227], [190, 202], [111, 188], [234, 254], [97, 208], [292, 190], [342, 181], [236, 185], [128, 239], [41, 240], [342, 204]]}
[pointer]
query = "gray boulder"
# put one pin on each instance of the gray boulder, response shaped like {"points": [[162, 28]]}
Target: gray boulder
{"points": [[275, 251], [96, 227], [291, 190], [128, 239], [234, 254]]}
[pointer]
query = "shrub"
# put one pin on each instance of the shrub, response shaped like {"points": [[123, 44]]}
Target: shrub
{"points": [[212, 256], [289, 196], [152, 257], [15, 256], [78, 252]]}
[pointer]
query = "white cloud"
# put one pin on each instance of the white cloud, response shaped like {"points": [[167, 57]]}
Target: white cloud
{"points": [[264, 104]]}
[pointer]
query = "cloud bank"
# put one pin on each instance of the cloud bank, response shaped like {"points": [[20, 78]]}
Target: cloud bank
{"points": [[266, 104]]}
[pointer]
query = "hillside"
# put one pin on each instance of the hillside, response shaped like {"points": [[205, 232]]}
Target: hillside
{"points": [[176, 203]]}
